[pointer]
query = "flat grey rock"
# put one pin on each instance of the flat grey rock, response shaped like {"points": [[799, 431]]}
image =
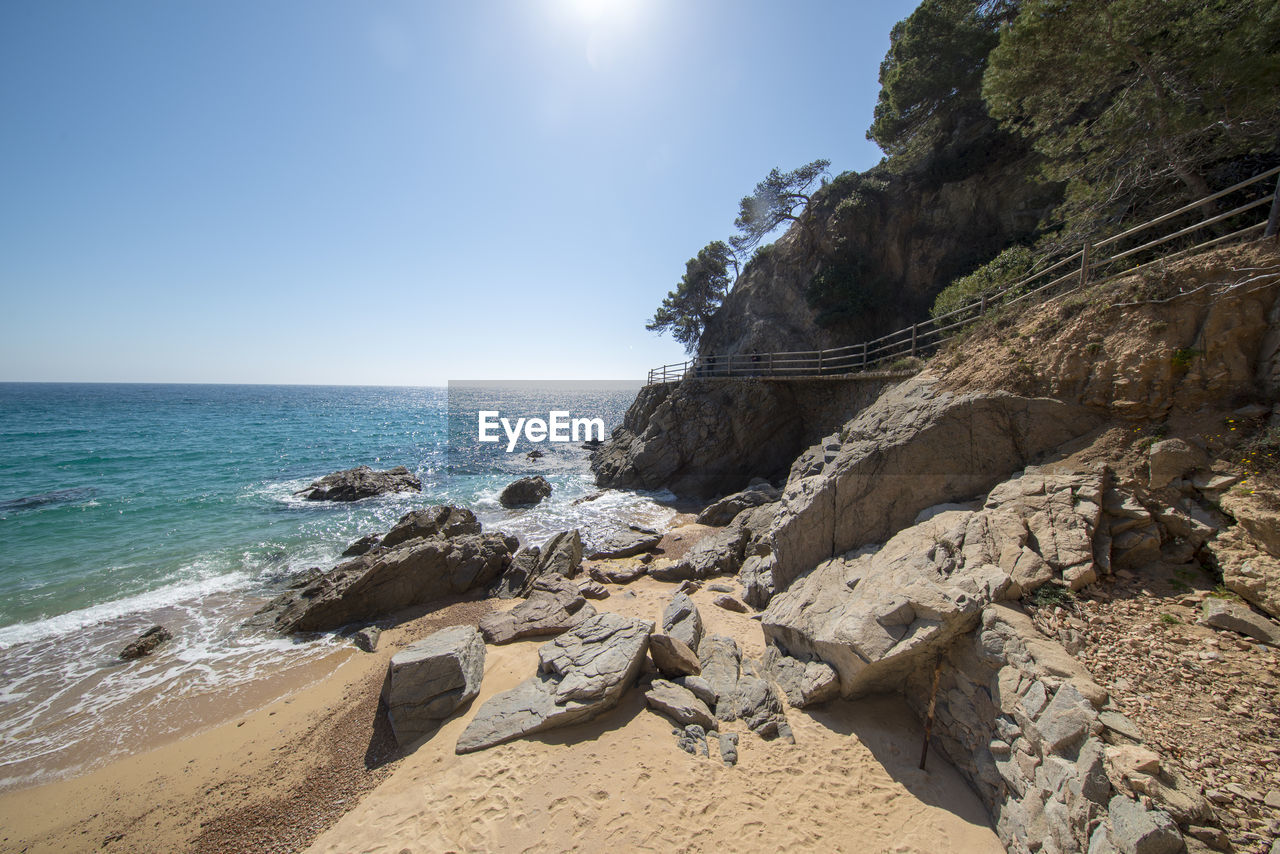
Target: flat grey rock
{"points": [[581, 674], [1136, 830], [360, 482], [554, 606], [679, 704], [1236, 617], [623, 544]]}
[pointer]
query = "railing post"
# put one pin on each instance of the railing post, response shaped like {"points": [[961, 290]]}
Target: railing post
{"points": [[1273, 220], [913, 339], [864, 357], [1084, 264], [770, 364], [820, 363], [982, 311]]}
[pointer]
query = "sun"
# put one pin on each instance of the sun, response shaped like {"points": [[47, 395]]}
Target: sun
{"points": [[598, 10]]}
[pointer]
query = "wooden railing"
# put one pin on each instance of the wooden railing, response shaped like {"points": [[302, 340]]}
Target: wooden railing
{"points": [[1088, 265]]}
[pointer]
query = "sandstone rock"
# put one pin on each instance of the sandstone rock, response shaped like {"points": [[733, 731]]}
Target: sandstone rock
{"points": [[673, 657], [620, 544], [367, 638], [679, 704], [362, 545], [682, 621], [914, 448], [581, 674], [554, 605], [804, 682], [729, 603], [1135, 830], [146, 643], [525, 492], [729, 748], [441, 520], [1132, 758], [380, 583], [618, 573], [1235, 617], [722, 512], [1170, 460], [431, 679], [360, 482]]}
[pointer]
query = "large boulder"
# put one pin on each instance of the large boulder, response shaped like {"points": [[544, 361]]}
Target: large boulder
{"points": [[673, 657], [441, 520], [360, 482], [383, 582], [581, 674], [554, 605], [739, 691], [876, 614], [1237, 617], [722, 512], [525, 492], [1171, 459], [916, 447], [1247, 569], [431, 679]]}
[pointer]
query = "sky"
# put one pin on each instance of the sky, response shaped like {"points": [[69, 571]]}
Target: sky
{"points": [[394, 193]]}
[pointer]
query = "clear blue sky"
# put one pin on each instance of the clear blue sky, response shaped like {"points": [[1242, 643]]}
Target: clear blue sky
{"points": [[393, 192]]}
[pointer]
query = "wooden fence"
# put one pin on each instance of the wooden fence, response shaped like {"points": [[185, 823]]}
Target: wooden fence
{"points": [[1118, 255]]}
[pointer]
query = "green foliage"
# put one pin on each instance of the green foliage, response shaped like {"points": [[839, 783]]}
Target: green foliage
{"points": [[1170, 619], [1183, 357], [702, 288], [780, 197], [1005, 269], [1129, 98], [1050, 594], [931, 77], [844, 289]]}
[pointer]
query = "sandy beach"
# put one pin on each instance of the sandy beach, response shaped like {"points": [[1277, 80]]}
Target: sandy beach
{"points": [[317, 767]]}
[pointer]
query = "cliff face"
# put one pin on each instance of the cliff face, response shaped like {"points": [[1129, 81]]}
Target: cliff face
{"points": [[892, 241]]}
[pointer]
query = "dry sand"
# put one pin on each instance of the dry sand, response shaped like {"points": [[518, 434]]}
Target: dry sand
{"points": [[321, 757], [850, 783]]}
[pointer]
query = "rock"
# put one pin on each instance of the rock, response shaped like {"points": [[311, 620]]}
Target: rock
{"points": [[1135, 830], [729, 748], [431, 679], [754, 702], [559, 556], [525, 492], [367, 638], [729, 603], [1170, 460], [1065, 722], [360, 482], [593, 590], [721, 587], [877, 614], [722, 512], [1233, 616], [890, 466], [721, 663], [804, 682], [441, 520], [146, 643], [699, 687], [1118, 723], [720, 553], [362, 545], [679, 704], [1247, 570], [673, 657], [554, 605], [581, 674], [692, 740], [613, 573], [619, 544], [682, 621], [1129, 759], [380, 583], [1258, 514]]}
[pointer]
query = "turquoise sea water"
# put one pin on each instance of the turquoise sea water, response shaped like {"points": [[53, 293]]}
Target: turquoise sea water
{"points": [[124, 505]]}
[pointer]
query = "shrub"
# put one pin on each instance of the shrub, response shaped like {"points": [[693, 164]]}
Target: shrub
{"points": [[1006, 268]]}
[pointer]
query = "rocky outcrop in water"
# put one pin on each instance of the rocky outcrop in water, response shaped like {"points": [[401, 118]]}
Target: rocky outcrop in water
{"points": [[581, 674], [360, 482], [525, 492], [146, 643], [441, 520], [431, 679]]}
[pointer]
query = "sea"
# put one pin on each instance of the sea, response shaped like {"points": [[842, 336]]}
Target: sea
{"points": [[124, 506]]}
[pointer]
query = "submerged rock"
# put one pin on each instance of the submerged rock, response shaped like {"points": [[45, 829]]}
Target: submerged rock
{"points": [[581, 674], [525, 492], [360, 482], [431, 679], [146, 643]]}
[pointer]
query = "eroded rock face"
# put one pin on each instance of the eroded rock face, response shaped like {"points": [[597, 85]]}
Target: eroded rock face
{"points": [[581, 674], [383, 582], [525, 492], [722, 512], [442, 520], [623, 544], [682, 621], [360, 482], [559, 556], [431, 679], [914, 448], [554, 605], [877, 614]]}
